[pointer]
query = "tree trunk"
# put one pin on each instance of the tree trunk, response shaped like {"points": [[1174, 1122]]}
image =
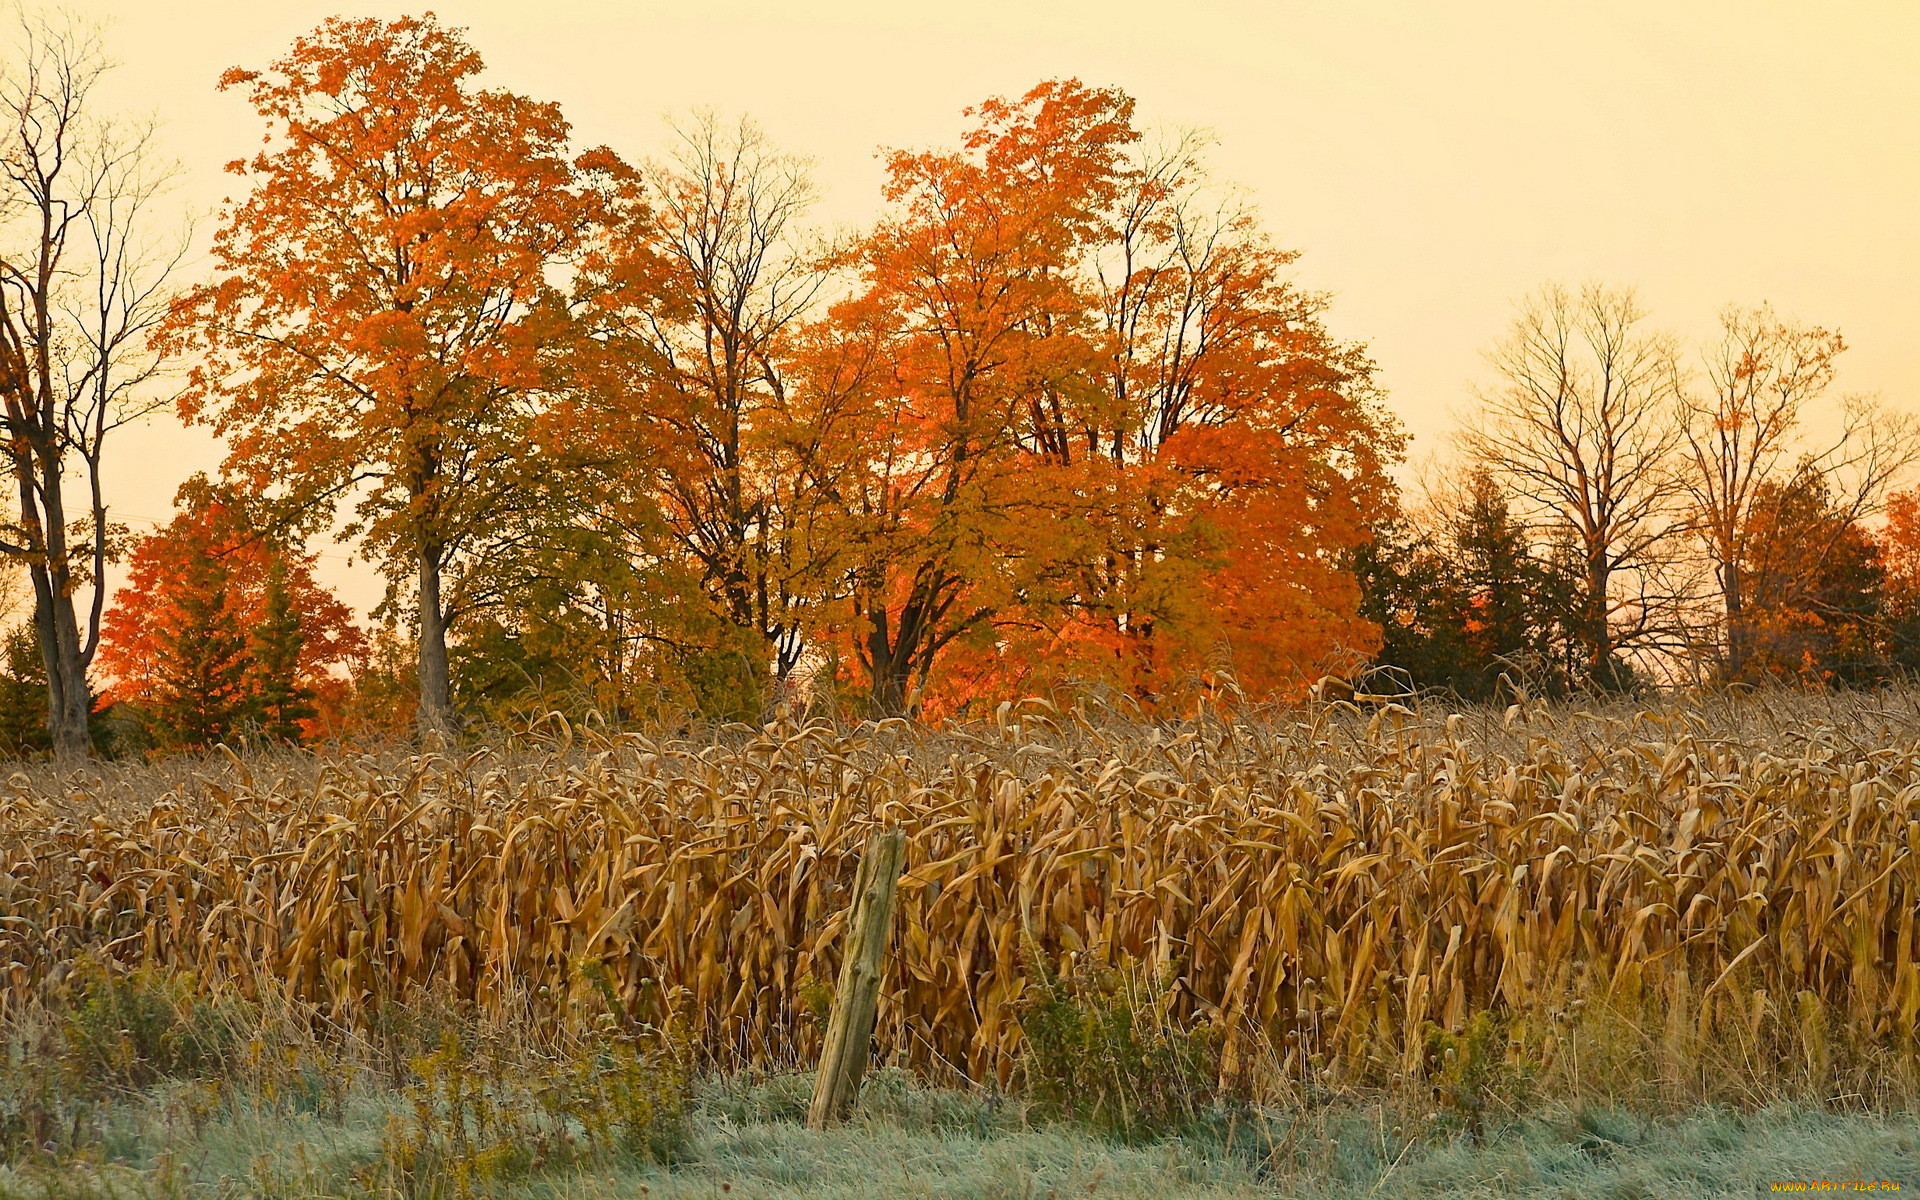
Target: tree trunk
{"points": [[1600, 666], [1737, 634], [69, 701], [68, 742], [436, 706], [889, 669], [69, 726]]}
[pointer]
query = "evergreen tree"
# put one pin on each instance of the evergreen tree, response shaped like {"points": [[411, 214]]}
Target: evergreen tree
{"points": [[23, 695], [1496, 568], [1408, 591], [201, 662], [1473, 602], [280, 701]]}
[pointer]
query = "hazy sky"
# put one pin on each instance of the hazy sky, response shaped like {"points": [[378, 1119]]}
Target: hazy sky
{"points": [[1431, 161]]}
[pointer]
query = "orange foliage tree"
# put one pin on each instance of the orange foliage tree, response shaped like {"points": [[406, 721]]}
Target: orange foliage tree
{"points": [[970, 322], [1899, 557], [1813, 582], [1069, 420], [1254, 445], [1080, 427], [1900, 544], [387, 312], [221, 631]]}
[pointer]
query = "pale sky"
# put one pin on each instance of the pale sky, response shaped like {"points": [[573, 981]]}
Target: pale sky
{"points": [[1431, 161]]}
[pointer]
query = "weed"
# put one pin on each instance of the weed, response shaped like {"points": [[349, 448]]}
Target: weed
{"points": [[132, 1029], [474, 1120], [1105, 1049], [1470, 1071]]}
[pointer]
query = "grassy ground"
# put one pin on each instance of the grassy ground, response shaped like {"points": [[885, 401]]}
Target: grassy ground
{"points": [[748, 1141]]}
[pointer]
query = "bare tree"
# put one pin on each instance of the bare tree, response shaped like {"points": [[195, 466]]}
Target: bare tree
{"points": [[733, 279], [1582, 427], [80, 290], [1747, 432]]}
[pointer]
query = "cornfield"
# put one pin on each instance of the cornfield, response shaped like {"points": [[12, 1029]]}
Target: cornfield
{"points": [[1323, 888]]}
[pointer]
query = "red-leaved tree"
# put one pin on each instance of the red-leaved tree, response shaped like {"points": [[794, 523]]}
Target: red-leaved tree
{"points": [[221, 632]]}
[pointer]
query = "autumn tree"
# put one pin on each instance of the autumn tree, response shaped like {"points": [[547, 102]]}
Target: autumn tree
{"points": [[1811, 581], [81, 288], [1747, 441], [1080, 426], [1246, 447], [1899, 557], [968, 321], [1581, 426], [703, 301], [222, 630], [389, 308]]}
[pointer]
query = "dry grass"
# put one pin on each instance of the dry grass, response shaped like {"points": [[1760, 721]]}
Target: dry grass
{"points": [[1684, 902]]}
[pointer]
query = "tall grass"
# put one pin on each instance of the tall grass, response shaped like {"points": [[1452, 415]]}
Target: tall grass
{"points": [[1674, 902]]}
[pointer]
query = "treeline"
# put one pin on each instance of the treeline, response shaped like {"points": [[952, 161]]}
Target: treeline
{"points": [[629, 436], [1623, 512]]}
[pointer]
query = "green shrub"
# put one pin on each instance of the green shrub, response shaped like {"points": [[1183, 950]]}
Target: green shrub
{"points": [[132, 1030], [105, 1032], [1105, 1049], [475, 1119], [37, 1119], [1470, 1072]]}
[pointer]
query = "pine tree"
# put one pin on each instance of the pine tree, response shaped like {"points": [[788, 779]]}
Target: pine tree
{"points": [[1520, 605], [279, 700], [202, 661], [23, 695], [1473, 602]]}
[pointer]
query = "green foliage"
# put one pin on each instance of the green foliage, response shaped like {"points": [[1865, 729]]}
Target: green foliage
{"points": [[280, 701], [37, 1118], [107, 1036], [501, 672], [23, 700], [598, 643], [1105, 1049], [202, 661], [134, 1029], [23, 695], [1470, 1071], [386, 689], [1474, 607], [727, 683]]}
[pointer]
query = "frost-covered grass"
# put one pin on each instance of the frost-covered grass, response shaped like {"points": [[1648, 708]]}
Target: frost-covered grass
{"points": [[748, 1141]]}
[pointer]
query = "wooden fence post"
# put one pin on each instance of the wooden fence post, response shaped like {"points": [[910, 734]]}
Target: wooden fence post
{"points": [[856, 1001]]}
